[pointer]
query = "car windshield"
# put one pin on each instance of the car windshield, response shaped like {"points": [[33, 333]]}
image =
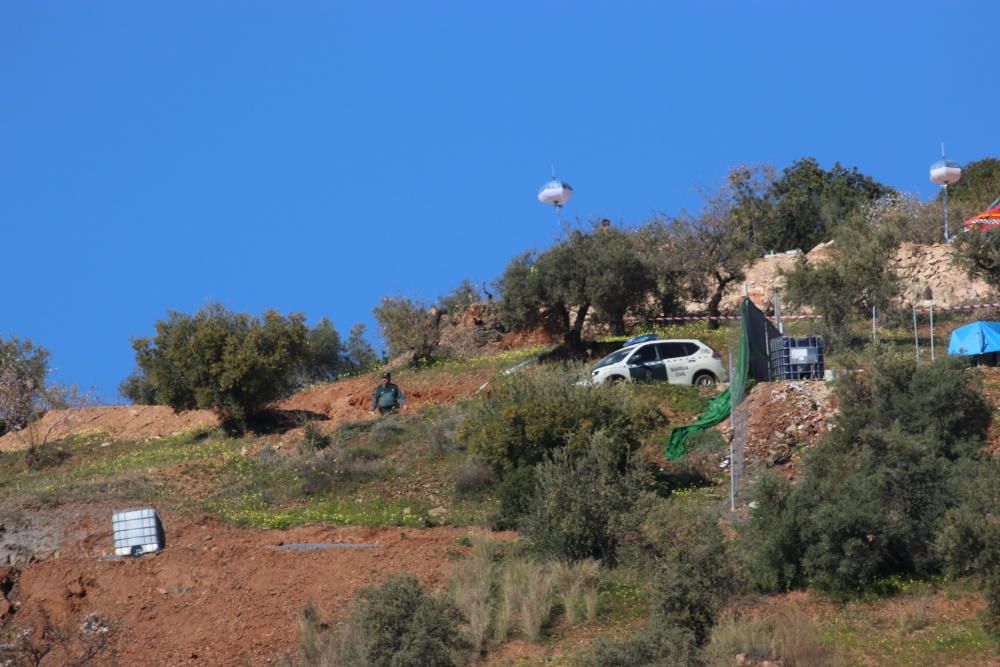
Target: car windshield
{"points": [[612, 358]]}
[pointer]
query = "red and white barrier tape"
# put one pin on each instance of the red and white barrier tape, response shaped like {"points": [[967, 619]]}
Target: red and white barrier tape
{"points": [[700, 318], [692, 318], [973, 306]]}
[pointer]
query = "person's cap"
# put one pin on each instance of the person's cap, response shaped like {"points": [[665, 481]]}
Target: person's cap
{"points": [[387, 375]]}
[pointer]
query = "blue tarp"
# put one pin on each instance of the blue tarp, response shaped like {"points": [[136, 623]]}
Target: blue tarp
{"points": [[975, 338]]}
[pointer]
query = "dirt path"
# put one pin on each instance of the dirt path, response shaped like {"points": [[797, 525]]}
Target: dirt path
{"points": [[217, 594]]}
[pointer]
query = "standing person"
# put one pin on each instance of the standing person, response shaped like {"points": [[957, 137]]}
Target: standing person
{"points": [[387, 396]]}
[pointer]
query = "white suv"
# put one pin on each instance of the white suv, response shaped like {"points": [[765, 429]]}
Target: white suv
{"points": [[674, 361]]}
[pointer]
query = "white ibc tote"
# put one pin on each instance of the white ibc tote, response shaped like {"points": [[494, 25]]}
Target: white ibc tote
{"points": [[137, 532]]}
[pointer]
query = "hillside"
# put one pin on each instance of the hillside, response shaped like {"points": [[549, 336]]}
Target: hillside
{"points": [[223, 592]]}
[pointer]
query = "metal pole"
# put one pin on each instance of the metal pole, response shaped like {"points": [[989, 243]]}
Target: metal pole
{"points": [[732, 439], [874, 334], [945, 212], [777, 313], [916, 341], [932, 331], [945, 196]]}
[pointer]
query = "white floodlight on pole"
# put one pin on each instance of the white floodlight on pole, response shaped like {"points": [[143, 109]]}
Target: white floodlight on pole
{"points": [[944, 172], [555, 193]]}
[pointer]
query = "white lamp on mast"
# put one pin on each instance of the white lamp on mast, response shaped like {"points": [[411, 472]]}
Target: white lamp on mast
{"points": [[944, 172], [555, 193]]}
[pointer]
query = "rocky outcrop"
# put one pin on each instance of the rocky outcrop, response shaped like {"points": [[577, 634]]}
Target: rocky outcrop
{"points": [[925, 272], [785, 419]]}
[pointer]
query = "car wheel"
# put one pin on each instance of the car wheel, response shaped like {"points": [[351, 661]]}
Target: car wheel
{"points": [[705, 379], [614, 380]]}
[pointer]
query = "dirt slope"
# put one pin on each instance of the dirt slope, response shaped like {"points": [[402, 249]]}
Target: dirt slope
{"points": [[346, 400], [349, 400], [118, 422], [217, 595]]}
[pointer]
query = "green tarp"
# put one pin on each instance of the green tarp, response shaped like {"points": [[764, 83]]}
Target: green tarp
{"points": [[751, 347]]}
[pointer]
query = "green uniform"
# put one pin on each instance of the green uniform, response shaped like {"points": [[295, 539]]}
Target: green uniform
{"points": [[387, 397]]}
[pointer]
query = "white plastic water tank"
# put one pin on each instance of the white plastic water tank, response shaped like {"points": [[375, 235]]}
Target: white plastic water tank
{"points": [[137, 532]]}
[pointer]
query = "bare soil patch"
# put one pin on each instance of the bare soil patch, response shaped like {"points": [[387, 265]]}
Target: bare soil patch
{"points": [[217, 594], [116, 422], [350, 400], [338, 402], [785, 419]]}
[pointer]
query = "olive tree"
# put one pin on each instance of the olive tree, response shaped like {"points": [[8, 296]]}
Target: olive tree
{"points": [[603, 272], [232, 363]]}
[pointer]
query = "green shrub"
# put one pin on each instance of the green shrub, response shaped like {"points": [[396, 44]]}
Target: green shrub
{"points": [[515, 494], [461, 297], [654, 646], [691, 573], [392, 429], [704, 450], [23, 369], [396, 624], [41, 457], [361, 453], [403, 625], [359, 355], [442, 431], [991, 591], [313, 439], [409, 327], [875, 492], [969, 542], [473, 478], [578, 497], [772, 539], [709, 440], [231, 363], [532, 414], [324, 360], [353, 430], [318, 475]]}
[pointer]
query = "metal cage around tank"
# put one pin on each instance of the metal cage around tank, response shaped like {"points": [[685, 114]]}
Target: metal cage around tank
{"points": [[137, 531], [797, 358]]}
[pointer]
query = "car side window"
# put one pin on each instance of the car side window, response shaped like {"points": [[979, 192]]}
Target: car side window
{"points": [[671, 350], [643, 355], [690, 349]]}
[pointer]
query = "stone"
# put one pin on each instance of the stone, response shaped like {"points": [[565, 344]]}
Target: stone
{"points": [[437, 512]]}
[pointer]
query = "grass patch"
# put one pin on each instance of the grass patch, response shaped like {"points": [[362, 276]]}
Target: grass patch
{"points": [[255, 511], [912, 635], [88, 466], [683, 401]]}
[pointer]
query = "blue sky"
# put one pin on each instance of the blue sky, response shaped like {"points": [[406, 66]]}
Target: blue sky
{"points": [[315, 156]]}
